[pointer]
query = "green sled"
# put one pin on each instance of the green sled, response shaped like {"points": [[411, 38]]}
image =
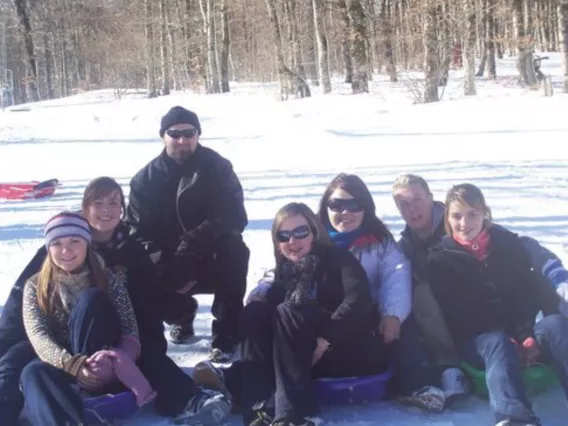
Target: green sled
{"points": [[537, 379]]}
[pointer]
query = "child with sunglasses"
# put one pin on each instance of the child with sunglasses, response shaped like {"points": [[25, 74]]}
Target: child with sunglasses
{"points": [[348, 212], [316, 320]]}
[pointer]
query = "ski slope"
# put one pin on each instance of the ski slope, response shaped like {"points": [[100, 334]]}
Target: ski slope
{"points": [[509, 141]]}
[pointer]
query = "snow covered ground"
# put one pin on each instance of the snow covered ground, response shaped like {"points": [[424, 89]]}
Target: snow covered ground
{"points": [[509, 141]]}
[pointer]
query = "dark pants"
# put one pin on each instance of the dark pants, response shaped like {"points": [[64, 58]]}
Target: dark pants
{"points": [[413, 368], [223, 274], [173, 386], [496, 353], [50, 398], [15, 350], [11, 365], [276, 358]]}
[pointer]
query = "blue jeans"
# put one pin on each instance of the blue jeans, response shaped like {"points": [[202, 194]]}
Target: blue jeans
{"points": [[495, 352]]}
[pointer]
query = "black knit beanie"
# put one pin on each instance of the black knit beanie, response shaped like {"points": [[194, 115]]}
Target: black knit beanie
{"points": [[179, 115]]}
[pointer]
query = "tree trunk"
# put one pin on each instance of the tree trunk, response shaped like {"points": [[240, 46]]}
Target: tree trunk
{"points": [[445, 45], [321, 36], [483, 37], [226, 47], [431, 62], [23, 13], [387, 35], [563, 23], [469, 47], [359, 36], [289, 82], [164, 48], [48, 67], [346, 43], [524, 45], [297, 57], [490, 42], [208, 13]]}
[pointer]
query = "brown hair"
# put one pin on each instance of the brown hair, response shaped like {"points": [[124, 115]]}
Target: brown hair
{"points": [[101, 187], [321, 237], [469, 195], [50, 275], [355, 186]]}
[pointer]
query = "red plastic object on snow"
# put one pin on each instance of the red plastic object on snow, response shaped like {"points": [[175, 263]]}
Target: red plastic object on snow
{"points": [[27, 190]]}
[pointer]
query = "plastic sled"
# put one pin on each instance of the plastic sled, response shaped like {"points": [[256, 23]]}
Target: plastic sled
{"points": [[352, 390], [537, 379], [105, 409], [28, 190]]}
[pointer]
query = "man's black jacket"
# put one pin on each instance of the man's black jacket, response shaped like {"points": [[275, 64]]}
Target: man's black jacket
{"points": [[196, 203]]}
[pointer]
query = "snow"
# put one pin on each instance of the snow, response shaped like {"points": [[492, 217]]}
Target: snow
{"points": [[509, 141]]}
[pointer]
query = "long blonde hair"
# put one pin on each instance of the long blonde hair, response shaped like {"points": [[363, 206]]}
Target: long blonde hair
{"points": [[50, 275]]}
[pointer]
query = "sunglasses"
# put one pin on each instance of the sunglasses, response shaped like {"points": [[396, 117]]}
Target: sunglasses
{"points": [[339, 205], [298, 233], [176, 134]]}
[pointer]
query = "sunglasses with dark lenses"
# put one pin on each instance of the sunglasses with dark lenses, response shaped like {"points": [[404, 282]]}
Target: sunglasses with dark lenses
{"points": [[339, 205], [298, 233], [186, 133]]}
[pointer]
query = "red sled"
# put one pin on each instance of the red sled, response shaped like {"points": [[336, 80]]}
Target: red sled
{"points": [[25, 191]]}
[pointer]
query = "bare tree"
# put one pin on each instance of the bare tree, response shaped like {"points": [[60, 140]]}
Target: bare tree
{"points": [[290, 83], [431, 61], [525, 63], [359, 35], [226, 46], [24, 17], [346, 45], [208, 12], [164, 48], [563, 14], [323, 58], [469, 47], [150, 52]]}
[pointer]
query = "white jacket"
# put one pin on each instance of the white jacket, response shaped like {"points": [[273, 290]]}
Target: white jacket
{"points": [[390, 276]]}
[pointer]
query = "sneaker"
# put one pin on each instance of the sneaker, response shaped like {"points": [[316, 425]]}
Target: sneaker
{"points": [[182, 334], [428, 398], [454, 384], [301, 421], [515, 423], [217, 355], [207, 376], [206, 408], [261, 418]]}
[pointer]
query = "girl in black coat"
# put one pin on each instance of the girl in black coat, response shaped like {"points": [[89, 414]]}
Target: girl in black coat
{"points": [[481, 276], [316, 320]]}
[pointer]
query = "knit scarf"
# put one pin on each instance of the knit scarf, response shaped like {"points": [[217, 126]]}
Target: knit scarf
{"points": [[477, 246], [355, 238], [300, 280]]}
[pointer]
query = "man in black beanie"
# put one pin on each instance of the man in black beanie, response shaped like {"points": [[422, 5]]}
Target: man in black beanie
{"points": [[187, 208]]}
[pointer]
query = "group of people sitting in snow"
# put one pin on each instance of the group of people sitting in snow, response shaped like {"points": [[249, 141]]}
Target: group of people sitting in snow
{"points": [[344, 298]]}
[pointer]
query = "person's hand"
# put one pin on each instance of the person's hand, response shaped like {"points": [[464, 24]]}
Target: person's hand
{"points": [[389, 328], [101, 365], [88, 380], [322, 346]]}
